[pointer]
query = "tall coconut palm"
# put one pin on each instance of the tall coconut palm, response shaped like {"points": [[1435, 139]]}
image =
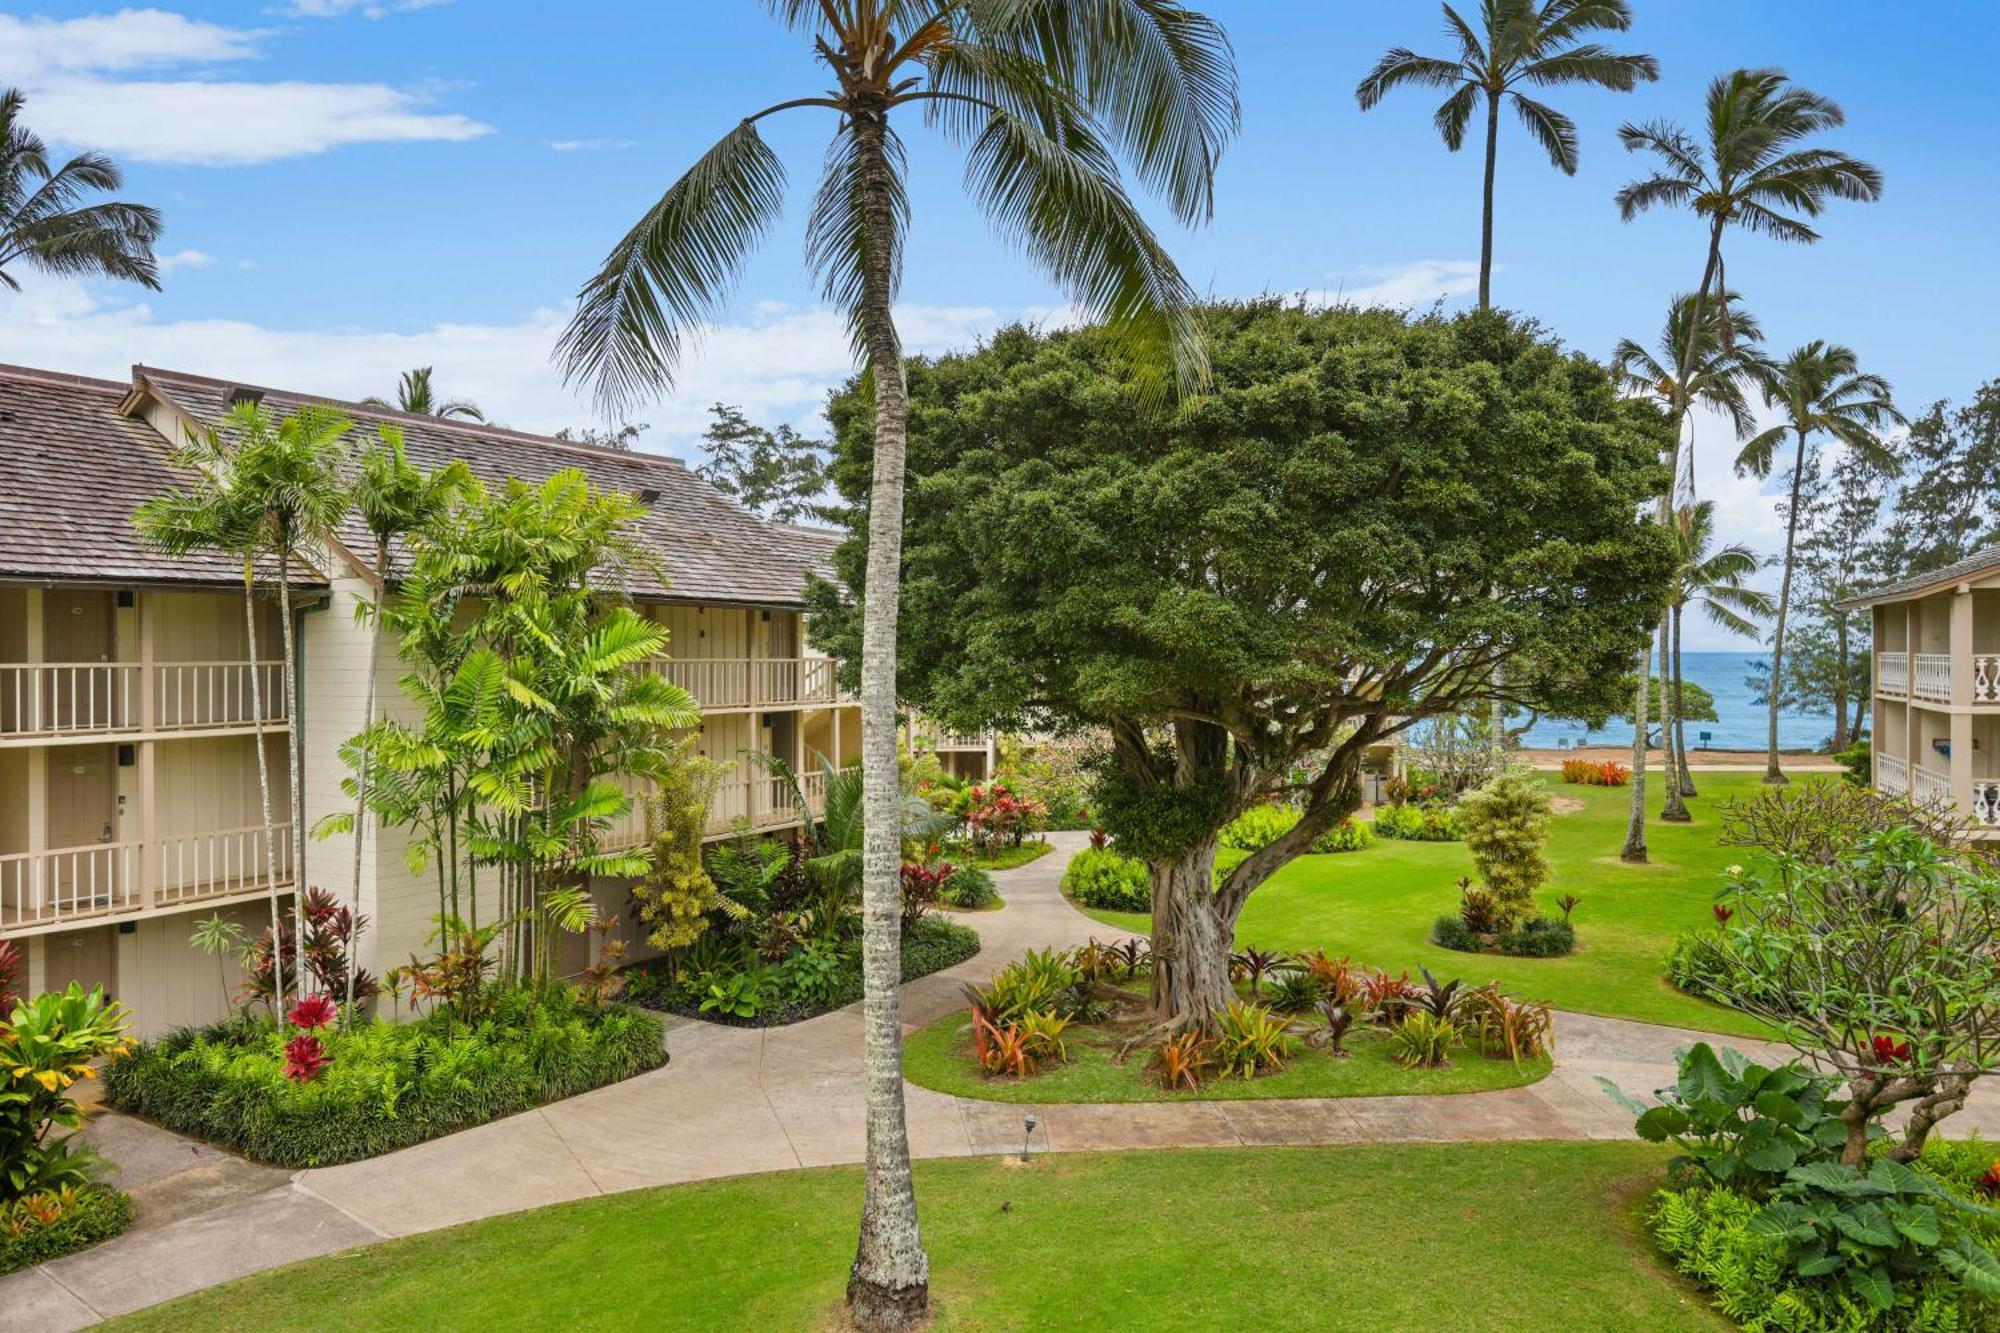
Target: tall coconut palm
{"points": [[1716, 365], [1753, 170], [45, 223], [416, 395], [393, 498], [1821, 390], [1043, 96], [1517, 42], [214, 512], [1712, 580]]}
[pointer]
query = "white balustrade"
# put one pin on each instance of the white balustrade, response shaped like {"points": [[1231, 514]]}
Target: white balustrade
{"points": [[1986, 678], [1931, 677], [765, 802], [1892, 674], [193, 866], [112, 879], [218, 694], [1929, 787], [1892, 775], [86, 698], [1985, 801], [722, 683]]}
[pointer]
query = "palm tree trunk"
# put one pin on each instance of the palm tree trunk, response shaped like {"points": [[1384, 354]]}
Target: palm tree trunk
{"points": [[1674, 810], [1773, 776], [1680, 715], [264, 790], [296, 793], [1634, 849], [889, 1285], [1486, 203], [361, 778]]}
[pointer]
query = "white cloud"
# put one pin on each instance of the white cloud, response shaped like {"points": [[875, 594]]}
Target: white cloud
{"points": [[1402, 286], [777, 366], [74, 72], [591, 145], [181, 259], [374, 9], [131, 39]]}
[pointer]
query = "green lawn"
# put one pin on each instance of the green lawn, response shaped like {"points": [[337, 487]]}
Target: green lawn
{"points": [[1377, 905], [1517, 1238], [940, 1057], [1007, 858]]}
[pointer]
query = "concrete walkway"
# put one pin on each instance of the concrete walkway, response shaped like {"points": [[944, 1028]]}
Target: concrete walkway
{"points": [[741, 1100]]}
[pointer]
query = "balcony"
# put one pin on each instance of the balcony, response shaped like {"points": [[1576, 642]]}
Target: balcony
{"points": [[43, 701], [1931, 677], [740, 684], [765, 802], [1892, 675], [50, 890], [1892, 775], [1929, 787]]}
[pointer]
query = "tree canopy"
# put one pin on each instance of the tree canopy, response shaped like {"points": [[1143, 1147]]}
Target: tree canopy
{"points": [[1365, 515]]}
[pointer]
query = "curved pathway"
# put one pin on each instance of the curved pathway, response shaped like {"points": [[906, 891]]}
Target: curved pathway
{"points": [[739, 1100]]}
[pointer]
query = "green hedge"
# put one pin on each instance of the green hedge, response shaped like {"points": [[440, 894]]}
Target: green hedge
{"points": [[1416, 823], [389, 1085], [99, 1213], [1101, 878]]}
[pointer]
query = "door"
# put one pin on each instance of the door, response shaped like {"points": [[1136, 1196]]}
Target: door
{"points": [[76, 633], [85, 871], [87, 957]]}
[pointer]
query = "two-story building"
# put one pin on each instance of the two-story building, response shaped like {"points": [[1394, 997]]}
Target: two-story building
{"points": [[129, 791], [1936, 650]]}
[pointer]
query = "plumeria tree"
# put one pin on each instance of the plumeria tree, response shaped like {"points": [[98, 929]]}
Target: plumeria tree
{"points": [[1043, 97]]}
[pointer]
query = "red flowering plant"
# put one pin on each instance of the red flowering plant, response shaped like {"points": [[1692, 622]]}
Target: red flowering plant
{"points": [[1989, 1184], [315, 1011], [923, 887], [1888, 1051], [305, 1058], [997, 817]]}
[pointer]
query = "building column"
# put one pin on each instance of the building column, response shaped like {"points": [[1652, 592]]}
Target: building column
{"points": [[1961, 762]]}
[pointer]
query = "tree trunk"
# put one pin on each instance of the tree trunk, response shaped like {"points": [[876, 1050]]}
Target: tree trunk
{"points": [[361, 779], [1674, 810], [1680, 715], [1192, 941], [1773, 776], [296, 792], [1486, 204], [264, 793], [1840, 680], [1634, 849], [1860, 713], [889, 1284]]}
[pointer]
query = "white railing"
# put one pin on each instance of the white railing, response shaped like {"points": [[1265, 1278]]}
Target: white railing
{"points": [[1986, 678], [1892, 674], [1931, 677], [1892, 775], [111, 879], [1929, 787], [956, 741], [1985, 801], [96, 698], [720, 683], [766, 802]]}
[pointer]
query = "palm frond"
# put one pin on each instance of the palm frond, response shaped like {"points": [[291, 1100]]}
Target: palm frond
{"points": [[1552, 129], [1401, 67]]}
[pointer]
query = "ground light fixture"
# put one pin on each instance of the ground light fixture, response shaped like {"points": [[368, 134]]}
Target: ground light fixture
{"points": [[1027, 1137]]}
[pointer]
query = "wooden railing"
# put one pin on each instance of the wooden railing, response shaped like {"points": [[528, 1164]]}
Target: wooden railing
{"points": [[1931, 677], [1892, 775], [724, 683], [1892, 675], [105, 698], [113, 879]]}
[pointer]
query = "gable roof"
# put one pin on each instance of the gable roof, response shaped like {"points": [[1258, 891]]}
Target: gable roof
{"points": [[1985, 561], [73, 467]]}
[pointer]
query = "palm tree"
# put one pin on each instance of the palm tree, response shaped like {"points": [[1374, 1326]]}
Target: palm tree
{"points": [[45, 223], [1713, 581], [213, 513], [1821, 390], [1753, 171], [415, 395], [1043, 97], [1716, 363], [1518, 42], [394, 499]]}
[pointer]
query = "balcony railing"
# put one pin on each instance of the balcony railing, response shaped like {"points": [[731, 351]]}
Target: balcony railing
{"points": [[1892, 775], [1985, 801], [1986, 678], [1928, 787], [1892, 675], [725, 683], [106, 698], [113, 879], [1931, 677], [766, 802]]}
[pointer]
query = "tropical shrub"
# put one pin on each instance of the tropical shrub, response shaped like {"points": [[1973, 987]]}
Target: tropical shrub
{"points": [[970, 887], [923, 887], [1539, 937], [13, 966], [1349, 835], [1417, 823], [1858, 760], [48, 1044], [1000, 1049], [48, 1224], [1180, 1062], [1042, 1034], [1109, 881], [1451, 932], [1513, 1029], [386, 1085], [1422, 1040], [1439, 999], [997, 817], [1595, 773], [1385, 996], [1297, 991], [1253, 965], [1041, 980], [1250, 1040], [1260, 826], [1505, 825]]}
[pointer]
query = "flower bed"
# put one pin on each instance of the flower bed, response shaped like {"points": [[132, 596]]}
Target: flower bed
{"points": [[39, 1227], [381, 1085], [1593, 773]]}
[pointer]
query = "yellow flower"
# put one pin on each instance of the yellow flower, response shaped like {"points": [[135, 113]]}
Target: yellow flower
{"points": [[1733, 871], [49, 1079]]}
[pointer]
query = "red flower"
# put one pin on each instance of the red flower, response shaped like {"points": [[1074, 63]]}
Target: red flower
{"points": [[304, 1058], [1989, 1184], [1889, 1051], [315, 1011], [1722, 914]]}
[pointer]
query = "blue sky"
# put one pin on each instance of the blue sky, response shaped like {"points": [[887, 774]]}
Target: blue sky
{"points": [[351, 188]]}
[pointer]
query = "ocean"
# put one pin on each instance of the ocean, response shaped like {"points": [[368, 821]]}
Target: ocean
{"points": [[1741, 724]]}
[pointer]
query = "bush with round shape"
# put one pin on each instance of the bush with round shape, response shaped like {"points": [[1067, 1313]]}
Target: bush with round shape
{"points": [[1539, 937], [1506, 827], [1105, 879], [1417, 823]]}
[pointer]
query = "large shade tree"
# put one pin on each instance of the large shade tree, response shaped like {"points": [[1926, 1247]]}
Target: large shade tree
{"points": [[1365, 516], [1515, 44], [49, 219], [1754, 168], [1043, 97]]}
